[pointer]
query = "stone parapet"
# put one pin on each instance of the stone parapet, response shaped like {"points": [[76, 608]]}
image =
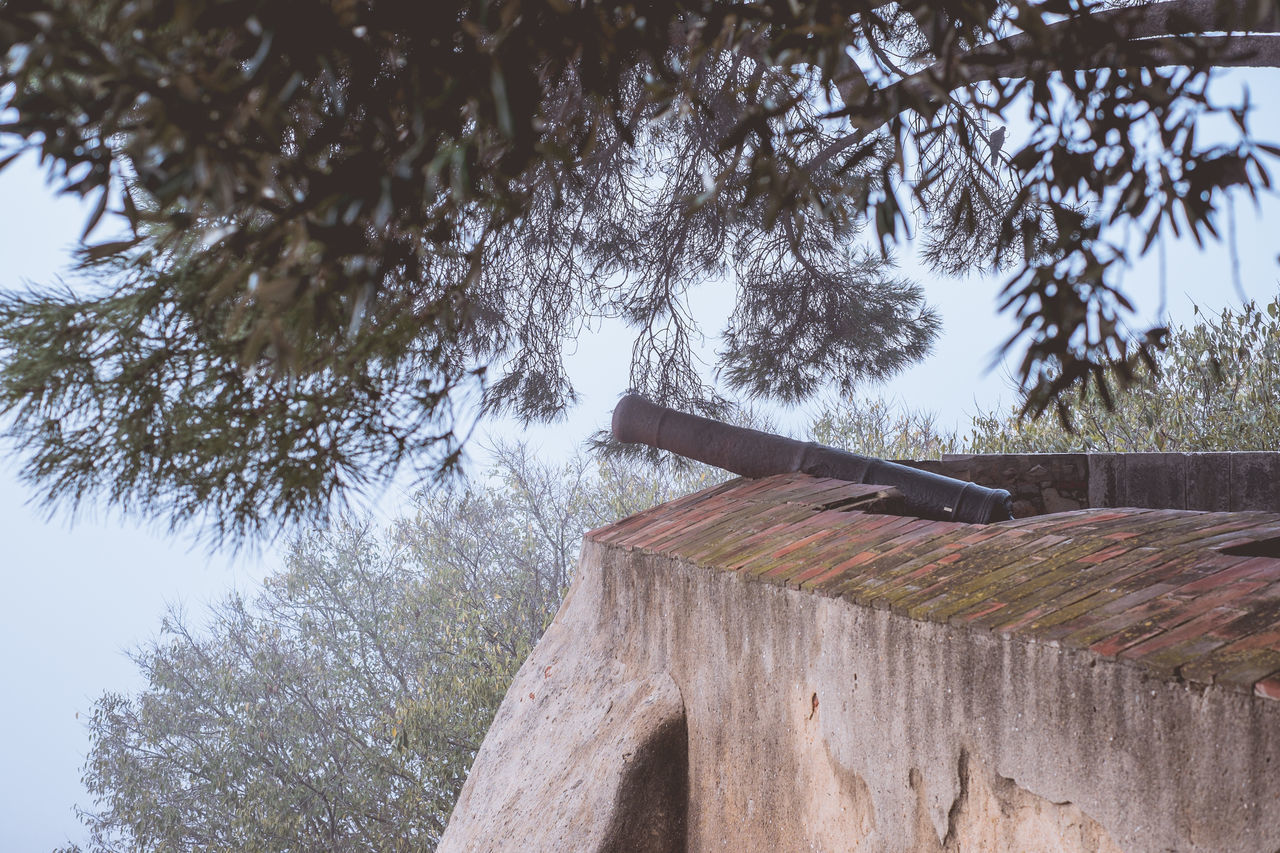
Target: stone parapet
{"points": [[1056, 482]]}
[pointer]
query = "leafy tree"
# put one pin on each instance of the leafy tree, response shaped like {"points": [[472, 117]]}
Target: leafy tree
{"points": [[877, 427], [278, 728], [1216, 387], [343, 241], [340, 708]]}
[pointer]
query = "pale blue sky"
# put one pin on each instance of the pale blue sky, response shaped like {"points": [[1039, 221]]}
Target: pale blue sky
{"points": [[76, 596]]}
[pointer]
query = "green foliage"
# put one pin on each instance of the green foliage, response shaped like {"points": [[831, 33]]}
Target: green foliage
{"points": [[1216, 387], [344, 242], [279, 727], [876, 427], [140, 395], [341, 707]]}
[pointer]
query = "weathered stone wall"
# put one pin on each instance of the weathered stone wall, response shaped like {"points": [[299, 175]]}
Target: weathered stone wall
{"points": [[1040, 483], [764, 665], [1216, 482], [1056, 482], [674, 707]]}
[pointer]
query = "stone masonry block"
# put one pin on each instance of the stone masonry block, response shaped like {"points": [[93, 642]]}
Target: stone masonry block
{"points": [[1156, 480], [1106, 479], [1209, 481], [1255, 481]]}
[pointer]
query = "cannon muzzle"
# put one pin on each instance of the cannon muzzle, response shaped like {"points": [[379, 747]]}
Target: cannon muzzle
{"points": [[751, 453]]}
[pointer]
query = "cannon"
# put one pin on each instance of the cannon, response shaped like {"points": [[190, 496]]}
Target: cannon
{"points": [[752, 453]]}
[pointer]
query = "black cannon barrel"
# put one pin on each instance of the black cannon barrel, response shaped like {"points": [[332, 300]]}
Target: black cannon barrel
{"points": [[751, 453]]}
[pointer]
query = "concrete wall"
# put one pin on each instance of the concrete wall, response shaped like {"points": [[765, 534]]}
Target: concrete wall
{"points": [[672, 706], [1056, 482]]}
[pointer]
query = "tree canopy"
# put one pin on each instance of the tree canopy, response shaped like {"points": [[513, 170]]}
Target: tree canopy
{"points": [[350, 227], [341, 706], [1215, 387]]}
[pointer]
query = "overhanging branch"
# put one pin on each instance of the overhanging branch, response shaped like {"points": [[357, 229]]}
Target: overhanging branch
{"points": [[1180, 32]]}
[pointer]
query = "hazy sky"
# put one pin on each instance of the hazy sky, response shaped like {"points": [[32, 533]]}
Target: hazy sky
{"points": [[76, 597]]}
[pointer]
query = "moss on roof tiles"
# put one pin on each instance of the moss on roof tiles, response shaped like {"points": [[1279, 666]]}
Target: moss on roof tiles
{"points": [[1151, 587]]}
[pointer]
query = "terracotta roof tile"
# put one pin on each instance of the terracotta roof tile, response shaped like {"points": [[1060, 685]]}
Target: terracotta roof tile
{"points": [[1151, 588]]}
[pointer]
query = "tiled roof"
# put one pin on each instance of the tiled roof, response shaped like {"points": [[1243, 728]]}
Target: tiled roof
{"points": [[1149, 587]]}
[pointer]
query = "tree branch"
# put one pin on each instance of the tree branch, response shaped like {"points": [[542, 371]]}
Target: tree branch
{"points": [[1151, 35]]}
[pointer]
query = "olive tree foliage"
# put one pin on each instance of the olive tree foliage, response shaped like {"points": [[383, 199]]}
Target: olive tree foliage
{"points": [[340, 243], [874, 426], [276, 727], [1216, 387], [339, 707]]}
